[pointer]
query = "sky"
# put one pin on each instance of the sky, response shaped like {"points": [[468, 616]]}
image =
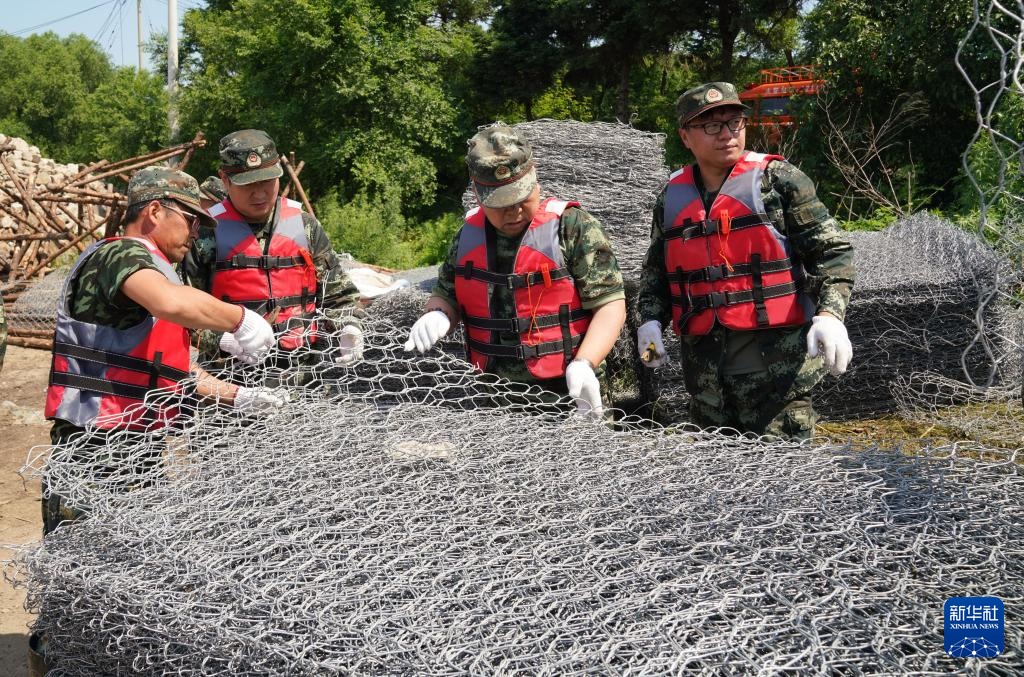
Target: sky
{"points": [[111, 23]]}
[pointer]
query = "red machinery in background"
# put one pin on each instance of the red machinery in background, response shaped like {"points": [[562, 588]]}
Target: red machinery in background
{"points": [[769, 99]]}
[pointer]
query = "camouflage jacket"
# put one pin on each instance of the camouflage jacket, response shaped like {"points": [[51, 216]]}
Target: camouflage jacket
{"points": [[588, 255], [795, 210], [340, 302]]}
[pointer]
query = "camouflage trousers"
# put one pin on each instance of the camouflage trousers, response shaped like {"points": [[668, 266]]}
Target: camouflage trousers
{"points": [[773, 401]]}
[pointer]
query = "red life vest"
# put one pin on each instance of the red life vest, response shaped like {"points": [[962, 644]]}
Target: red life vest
{"points": [[550, 319], [281, 279], [101, 375], [729, 264]]}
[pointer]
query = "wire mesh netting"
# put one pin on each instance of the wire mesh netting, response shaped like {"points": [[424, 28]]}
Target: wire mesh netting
{"points": [[407, 516], [36, 307]]}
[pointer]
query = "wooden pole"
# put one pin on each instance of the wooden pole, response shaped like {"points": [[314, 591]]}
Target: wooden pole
{"points": [[298, 185]]}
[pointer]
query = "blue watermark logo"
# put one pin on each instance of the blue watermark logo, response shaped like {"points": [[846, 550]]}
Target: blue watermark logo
{"points": [[974, 627]]}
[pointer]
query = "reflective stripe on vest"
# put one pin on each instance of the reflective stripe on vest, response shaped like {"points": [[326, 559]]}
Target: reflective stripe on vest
{"points": [[550, 319], [279, 283], [100, 375], [730, 264]]}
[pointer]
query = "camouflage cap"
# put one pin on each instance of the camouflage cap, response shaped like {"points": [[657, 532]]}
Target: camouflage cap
{"points": [[698, 100], [248, 156], [500, 162], [155, 183], [213, 189]]}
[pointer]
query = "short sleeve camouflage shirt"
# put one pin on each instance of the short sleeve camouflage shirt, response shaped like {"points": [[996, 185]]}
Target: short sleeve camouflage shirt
{"points": [[588, 256], [96, 294]]}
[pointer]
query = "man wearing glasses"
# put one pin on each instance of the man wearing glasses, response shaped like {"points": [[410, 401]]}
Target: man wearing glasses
{"points": [[753, 272], [122, 329]]}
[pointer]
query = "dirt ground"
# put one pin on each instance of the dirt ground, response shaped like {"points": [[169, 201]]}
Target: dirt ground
{"points": [[22, 391]]}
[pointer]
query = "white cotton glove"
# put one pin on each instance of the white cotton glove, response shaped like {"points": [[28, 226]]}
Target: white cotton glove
{"points": [[252, 341], [648, 334], [350, 342], [584, 388], [259, 400], [829, 339], [428, 330]]}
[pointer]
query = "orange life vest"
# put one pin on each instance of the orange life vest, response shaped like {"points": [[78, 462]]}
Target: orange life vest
{"points": [[101, 375], [549, 317], [729, 264], [281, 279]]}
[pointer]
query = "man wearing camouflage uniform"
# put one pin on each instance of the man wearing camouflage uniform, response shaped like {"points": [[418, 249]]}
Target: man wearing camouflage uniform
{"points": [[122, 328], [272, 257], [753, 272], [535, 282]]}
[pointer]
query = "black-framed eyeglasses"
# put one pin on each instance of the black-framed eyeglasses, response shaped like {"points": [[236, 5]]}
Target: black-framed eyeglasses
{"points": [[191, 219], [715, 128]]}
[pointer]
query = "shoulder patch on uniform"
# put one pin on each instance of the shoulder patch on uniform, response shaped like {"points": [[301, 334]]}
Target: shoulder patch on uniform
{"points": [[217, 209]]}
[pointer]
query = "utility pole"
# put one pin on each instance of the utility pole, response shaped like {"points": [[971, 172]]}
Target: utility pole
{"points": [[138, 28], [172, 67]]}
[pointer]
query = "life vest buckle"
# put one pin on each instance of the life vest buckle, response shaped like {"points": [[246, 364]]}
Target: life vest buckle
{"points": [[716, 299], [715, 273]]}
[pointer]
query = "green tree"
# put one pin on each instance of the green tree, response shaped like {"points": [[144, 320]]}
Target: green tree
{"points": [[355, 87], [63, 95], [875, 52]]}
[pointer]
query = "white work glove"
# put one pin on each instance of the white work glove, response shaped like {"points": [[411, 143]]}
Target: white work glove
{"points": [[829, 339], [252, 341], [350, 342], [428, 330], [259, 400], [647, 334], [584, 388]]}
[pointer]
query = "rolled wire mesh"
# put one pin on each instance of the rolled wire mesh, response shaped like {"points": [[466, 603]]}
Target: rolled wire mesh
{"points": [[612, 169], [35, 308], [407, 516]]}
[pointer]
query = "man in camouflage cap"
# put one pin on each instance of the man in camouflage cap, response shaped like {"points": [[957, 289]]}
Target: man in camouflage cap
{"points": [[534, 281], [272, 257], [122, 326], [752, 271], [212, 191]]}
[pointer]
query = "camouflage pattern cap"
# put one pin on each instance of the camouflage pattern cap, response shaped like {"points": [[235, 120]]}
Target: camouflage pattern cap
{"points": [[500, 162], [248, 156], [155, 183], [213, 189], [698, 100]]}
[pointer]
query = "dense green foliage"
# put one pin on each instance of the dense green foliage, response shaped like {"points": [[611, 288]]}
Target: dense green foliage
{"points": [[378, 96], [63, 95]]}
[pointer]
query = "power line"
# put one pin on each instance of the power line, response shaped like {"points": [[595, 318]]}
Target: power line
{"points": [[31, 29]]}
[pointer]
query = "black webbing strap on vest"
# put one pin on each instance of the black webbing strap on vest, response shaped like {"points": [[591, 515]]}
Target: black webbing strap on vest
{"points": [[155, 369], [524, 352], [563, 321], [757, 289], [521, 325], [696, 304], [265, 262], [723, 271], [510, 281], [98, 385], [690, 229]]}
